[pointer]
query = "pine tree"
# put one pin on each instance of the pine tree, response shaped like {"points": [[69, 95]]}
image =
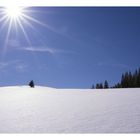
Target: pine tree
{"points": [[101, 86], [118, 85], [31, 84], [135, 75], [130, 81], [122, 81], [138, 78], [126, 80], [97, 86], [106, 84]]}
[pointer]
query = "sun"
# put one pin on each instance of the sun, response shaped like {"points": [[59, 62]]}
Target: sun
{"points": [[13, 12], [16, 19]]}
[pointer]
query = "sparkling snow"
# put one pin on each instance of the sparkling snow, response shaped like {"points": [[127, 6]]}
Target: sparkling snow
{"points": [[48, 110]]}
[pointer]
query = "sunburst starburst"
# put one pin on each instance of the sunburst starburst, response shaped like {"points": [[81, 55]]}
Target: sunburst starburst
{"points": [[17, 18], [13, 12]]}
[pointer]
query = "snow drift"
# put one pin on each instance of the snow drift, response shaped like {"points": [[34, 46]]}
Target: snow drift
{"points": [[49, 110]]}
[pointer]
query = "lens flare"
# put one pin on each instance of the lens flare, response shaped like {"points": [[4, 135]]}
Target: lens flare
{"points": [[13, 12]]}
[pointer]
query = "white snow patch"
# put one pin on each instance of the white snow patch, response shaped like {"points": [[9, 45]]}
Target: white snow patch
{"points": [[49, 110]]}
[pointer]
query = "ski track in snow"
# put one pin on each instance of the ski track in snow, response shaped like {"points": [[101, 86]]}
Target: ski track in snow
{"points": [[48, 110]]}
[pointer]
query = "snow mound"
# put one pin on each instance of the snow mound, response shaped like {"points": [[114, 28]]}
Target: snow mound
{"points": [[49, 110]]}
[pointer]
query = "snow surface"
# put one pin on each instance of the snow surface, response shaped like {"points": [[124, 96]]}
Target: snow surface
{"points": [[49, 110]]}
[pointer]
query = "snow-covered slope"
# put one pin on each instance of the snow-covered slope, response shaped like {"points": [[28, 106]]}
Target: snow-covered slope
{"points": [[48, 110]]}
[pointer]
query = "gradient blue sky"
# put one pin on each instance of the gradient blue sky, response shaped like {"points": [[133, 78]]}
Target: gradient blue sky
{"points": [[70, 47]]}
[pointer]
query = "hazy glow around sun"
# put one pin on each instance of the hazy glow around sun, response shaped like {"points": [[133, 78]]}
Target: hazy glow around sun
{"points": [[13, 12], [18, 19]]}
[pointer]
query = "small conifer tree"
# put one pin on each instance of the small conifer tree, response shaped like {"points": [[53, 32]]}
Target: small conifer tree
{"points": [[31, 84], [106, 84]]}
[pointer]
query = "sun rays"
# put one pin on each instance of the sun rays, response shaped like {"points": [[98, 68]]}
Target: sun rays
{"points": [[16, 18], [13, 12], [23, 24]]}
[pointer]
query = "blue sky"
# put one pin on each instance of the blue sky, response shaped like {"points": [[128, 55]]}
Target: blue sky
{"points": [[67, 47]]}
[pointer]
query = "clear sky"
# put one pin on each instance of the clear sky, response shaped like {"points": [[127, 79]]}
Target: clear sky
{"points": [[67, 47]]}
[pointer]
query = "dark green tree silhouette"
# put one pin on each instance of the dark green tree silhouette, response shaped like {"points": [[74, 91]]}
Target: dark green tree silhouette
{"points": [[97, 86], [106, 84], [101, 86], [31, 84]]}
